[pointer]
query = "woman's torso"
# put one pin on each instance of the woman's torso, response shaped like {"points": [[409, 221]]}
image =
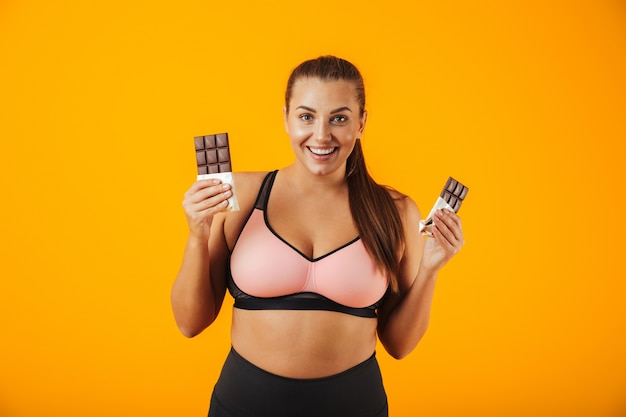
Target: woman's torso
{"points": [[300, 343]]}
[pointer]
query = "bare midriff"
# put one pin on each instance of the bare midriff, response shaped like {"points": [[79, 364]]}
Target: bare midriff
{"points": [[302, 344]]}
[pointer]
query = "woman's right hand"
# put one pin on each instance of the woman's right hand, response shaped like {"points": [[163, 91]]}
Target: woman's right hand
{"points": [[202, 201]]}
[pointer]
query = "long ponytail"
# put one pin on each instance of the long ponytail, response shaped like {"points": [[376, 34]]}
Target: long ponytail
{"points": [[376, 216]]}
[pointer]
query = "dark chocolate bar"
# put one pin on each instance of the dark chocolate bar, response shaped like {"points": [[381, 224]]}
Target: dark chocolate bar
{"points": [[454, 193], [451, 196], [213, 154]]}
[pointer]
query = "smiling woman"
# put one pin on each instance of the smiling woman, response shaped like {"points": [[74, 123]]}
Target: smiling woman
{"points": [[322, 134], [320, 261]]}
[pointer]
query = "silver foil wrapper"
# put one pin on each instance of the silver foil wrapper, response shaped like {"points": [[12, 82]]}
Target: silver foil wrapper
{"points": [[426, 225], [225, 177]]}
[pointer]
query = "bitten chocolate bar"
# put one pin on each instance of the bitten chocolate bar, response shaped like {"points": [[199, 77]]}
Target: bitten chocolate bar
{"points": [[451, 197], [213, 161], [213, 154]]}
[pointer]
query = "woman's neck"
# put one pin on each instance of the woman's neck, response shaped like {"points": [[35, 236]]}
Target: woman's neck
{"points": [[305, 180]]}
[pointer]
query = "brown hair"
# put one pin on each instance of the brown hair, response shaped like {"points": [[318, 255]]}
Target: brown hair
{"points": [[372, 207]]}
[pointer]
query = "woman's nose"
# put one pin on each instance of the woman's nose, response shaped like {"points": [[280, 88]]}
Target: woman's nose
{"points": [[322, 131]]}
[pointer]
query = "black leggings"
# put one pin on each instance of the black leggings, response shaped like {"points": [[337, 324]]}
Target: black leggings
{"points": [[245, 390]]}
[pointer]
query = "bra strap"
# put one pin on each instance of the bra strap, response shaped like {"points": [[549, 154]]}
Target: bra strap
{"points": [[264, 192]]}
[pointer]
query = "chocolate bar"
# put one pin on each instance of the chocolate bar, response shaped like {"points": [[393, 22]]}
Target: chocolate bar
{"points": [[451, 197], [213, 161], [212, 154], [454, 193]]}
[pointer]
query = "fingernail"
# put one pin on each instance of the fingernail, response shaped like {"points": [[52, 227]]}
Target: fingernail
{"points": [[225, 186]]}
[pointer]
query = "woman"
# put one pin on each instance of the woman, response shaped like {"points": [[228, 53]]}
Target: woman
{"points": [[320, 260]]}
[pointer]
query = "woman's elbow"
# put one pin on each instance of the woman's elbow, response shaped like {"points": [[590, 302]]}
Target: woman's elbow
{"points": [[191, 323], [190, 333], [191, 318], [400, 349], [191, 330], [399, 353]]}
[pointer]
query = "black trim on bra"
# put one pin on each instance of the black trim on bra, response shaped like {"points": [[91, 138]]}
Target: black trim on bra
{"points": [[264, 192], [297, 301], [261, 204], [293, 302]]}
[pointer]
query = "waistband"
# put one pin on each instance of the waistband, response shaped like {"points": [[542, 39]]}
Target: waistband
{"points": [[249, 390], [369, 362]]}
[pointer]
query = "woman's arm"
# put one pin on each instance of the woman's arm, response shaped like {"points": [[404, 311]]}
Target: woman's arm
{"points": [[404, 317], [200, 286]]}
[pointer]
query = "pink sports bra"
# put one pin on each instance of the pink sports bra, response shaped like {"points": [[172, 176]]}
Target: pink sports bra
{"points": [[268, 273]]}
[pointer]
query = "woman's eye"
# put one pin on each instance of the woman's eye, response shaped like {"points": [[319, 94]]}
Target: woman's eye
{"points": [[306, 117], [339, 119]]}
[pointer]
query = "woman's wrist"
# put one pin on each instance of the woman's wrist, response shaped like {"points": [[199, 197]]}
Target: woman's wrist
{"points": [[194, 241], [426, 273]]}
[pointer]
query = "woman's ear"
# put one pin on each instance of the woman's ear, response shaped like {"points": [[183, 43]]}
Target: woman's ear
{"points": [[285, 119], [362, 124]]}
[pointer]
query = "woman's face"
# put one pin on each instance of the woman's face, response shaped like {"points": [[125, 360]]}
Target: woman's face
{"points": [[323, 123]]}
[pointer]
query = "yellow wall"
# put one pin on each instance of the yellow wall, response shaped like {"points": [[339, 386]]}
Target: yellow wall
{"points": [[525, 102]]}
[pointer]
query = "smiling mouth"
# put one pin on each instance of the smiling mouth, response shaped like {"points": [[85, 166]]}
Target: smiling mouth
{"points": [[321, 151]]}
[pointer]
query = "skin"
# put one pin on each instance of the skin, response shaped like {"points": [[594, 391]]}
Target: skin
{"points": [[309, 208]]}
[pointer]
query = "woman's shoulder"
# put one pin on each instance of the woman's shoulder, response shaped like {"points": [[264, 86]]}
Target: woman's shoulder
{"points": [[249, 176], [248, 183], [407, 207]]}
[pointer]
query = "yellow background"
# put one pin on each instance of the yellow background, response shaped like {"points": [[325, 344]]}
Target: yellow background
{"points": [[525, 102]]}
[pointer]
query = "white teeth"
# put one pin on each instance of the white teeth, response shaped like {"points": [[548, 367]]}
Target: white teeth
{"points": [[322, 151]]}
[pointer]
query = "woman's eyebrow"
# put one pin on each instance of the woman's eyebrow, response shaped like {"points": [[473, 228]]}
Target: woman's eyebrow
{"points": [[306, 108], [340, 109]]}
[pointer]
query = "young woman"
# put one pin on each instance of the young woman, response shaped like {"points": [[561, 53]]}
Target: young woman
{"points": [[320, 260]]}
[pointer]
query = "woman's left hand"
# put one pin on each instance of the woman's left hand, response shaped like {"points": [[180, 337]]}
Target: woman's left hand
{"points": [[447, 240]]}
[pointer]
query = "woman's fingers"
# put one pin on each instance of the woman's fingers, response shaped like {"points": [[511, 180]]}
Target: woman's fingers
{"points": [[204, 195], [204, 189], [209, 200], [449, 228], [202, 201]]}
